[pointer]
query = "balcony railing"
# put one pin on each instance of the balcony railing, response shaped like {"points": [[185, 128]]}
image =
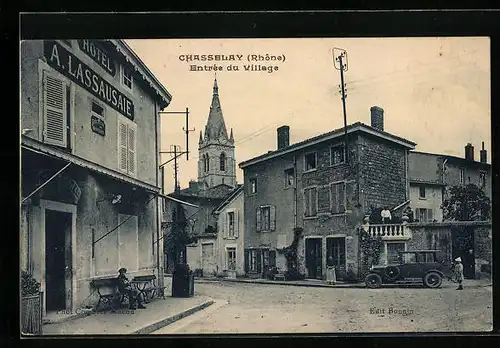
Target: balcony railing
{"points": [[388, 231]]}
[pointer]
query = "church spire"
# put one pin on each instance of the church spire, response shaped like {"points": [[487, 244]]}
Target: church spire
{"points": [[201, 138], [215, 127], [231, 137]]}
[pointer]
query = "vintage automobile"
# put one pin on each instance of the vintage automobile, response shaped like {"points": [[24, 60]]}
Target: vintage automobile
{"points": [[419, 266]]}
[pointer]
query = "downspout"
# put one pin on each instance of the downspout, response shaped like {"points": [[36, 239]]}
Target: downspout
{"points": [[158, 223], [295, 193]]}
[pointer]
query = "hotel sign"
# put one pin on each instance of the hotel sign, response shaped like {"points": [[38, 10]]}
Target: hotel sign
{"points": [[70, 66], [92, 49]]}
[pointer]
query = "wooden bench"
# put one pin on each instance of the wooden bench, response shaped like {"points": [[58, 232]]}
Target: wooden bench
{"points": [[109, 295], [147, 287]]}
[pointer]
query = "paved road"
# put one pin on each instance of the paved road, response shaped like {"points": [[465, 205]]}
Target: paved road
{"points": [[258, 308]]}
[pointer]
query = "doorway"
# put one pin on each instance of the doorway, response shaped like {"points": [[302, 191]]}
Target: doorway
{"points": [[313, 258], [463, 246], [58, 255]]}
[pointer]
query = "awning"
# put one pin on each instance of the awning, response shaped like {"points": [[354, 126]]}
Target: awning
{"points": [[177, 200], [37, 147]]}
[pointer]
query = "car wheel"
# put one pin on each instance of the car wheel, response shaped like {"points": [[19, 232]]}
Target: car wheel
{"points": [[373, 281], [392, 272], [433, 280]]}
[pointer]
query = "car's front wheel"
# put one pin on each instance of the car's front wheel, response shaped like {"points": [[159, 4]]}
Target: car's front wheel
{"points": [[433, 280], [373, 281]]}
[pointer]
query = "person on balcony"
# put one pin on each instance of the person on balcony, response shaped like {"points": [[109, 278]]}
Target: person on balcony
{"points": [[125, 287], [386, 215]]}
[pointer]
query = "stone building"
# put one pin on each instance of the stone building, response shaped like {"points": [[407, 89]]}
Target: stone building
{"points": [[89, 173], [432, 175], [230, 234], [216, 180], [313, 186]]}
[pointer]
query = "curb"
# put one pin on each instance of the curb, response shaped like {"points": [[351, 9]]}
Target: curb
{"points": [[167, 321], [66, 319], [312, 285]]}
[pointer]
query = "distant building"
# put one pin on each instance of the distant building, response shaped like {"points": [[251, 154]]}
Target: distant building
{"points": [[216, 180], [432, 175], [310, 185], [90, 177], [230, 236]]}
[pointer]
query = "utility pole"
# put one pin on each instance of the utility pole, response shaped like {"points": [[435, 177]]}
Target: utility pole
{"points": [[176, 187], [340, 63], [186, 130]]}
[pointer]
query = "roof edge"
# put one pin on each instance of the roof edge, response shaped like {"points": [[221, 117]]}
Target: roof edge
{"points": [[355, 127]]}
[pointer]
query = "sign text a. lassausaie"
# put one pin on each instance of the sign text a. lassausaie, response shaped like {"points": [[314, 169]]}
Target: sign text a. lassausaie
{"points": [[70, 66]]}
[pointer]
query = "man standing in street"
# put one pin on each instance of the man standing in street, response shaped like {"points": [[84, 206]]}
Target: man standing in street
{"points": [[459, 272]]}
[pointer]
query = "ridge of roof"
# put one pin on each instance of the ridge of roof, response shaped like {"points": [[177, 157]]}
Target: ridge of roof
{"points": [[354, 127]]}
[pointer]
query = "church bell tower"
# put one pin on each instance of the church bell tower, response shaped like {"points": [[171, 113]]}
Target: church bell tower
{"points": [[216, 163]]}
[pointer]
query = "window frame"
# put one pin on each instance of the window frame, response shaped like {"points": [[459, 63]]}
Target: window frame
{"points": [[231, 233], [253, 186], [482, 179], [222, 162], [315, 153], [129, 125], [93, 113], [306, 213], [344, 203], [420, 196], [332, 151], [287, 176], [229, 251], [123, 69]]}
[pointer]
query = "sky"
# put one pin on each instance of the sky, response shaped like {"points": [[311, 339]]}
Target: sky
{"points": [[434, 91]]}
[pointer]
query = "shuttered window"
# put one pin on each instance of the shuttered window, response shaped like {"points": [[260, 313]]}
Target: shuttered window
{"points": [[127, 145], [310, 202], [337, 194], [266, 218], [54, 110]]}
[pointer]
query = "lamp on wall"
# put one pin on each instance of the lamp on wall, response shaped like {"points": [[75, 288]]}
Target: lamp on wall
{"points": [[114, 199]]}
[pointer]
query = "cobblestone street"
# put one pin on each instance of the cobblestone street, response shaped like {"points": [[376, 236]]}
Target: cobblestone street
{"points": [[257, 308]]}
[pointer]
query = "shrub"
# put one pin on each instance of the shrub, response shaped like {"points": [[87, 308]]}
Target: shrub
{"points": [[29, 286], [294, 274]]}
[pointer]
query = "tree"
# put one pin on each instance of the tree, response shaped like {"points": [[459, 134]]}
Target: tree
{"points": [[466, 203], [178, 237]]}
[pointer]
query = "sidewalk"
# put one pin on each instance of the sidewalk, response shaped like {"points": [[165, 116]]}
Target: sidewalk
{"points": [[159, 313]]}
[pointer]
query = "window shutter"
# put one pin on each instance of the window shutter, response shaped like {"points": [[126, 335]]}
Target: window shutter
{"points": [[307, 202], [54, 111], [236, 224], [122, 146], [351, 200], [247, 260], [429, 215], [341, 197], [272, 218], [259, 260], [259, 220], [132, 158], [314, 201]]}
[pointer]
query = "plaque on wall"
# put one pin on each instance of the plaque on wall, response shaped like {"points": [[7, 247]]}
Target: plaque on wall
{"points": [[98, 125]]}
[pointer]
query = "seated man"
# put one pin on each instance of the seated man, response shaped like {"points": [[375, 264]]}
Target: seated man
{"points": [[125, 288]]}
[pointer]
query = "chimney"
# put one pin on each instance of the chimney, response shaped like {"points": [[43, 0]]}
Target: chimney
{"points": [[377, 120], [469, 152], [283, 137], [482, 155]]}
